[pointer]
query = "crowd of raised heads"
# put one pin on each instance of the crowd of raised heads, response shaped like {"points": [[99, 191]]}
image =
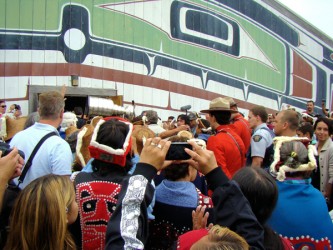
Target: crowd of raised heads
{"points": [[224, 181]]}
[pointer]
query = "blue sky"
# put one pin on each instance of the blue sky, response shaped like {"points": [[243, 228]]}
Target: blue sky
{"points": [[317, 12]]}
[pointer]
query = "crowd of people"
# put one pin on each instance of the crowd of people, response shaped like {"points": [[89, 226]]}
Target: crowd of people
{"points": [[257, 182]]}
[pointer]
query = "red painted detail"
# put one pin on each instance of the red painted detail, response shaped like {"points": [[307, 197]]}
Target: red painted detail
{"points": [[67, 69], [302, 74], [301, 88]]}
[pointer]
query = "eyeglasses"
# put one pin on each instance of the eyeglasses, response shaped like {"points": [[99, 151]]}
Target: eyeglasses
{"points": [[3, 106]]}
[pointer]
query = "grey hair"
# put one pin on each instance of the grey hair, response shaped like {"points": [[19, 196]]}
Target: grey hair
{"points": [[152, 116], [293, 154], [31, 119]]}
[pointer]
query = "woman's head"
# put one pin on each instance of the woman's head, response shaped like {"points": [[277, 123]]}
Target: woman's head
{"points": [[323, 129], [293, 154], [31, 119], [260, 190], [112, 135], [176, 170], [41, 214], [293, 157], [221, 238]]}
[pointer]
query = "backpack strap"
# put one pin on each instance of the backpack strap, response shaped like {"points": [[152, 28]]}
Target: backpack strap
{"points": [[29, 161]]}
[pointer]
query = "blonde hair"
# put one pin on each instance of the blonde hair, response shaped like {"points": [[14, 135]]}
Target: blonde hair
{"points": [[39, 217], [50, 104], [222, 238]]}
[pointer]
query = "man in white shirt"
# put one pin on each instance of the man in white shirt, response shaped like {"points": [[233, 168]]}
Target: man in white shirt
{"points": [[54, 156]]}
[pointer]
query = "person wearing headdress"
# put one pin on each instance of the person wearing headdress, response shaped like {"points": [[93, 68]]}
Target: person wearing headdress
{"points": [[97, 191], [301, 213]]}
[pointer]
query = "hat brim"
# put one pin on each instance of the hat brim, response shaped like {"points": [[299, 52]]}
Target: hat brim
{"points": [[218, 109]]}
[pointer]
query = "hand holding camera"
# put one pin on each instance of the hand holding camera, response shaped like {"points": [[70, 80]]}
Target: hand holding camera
{"points": [[203, 159], [11, 164]]}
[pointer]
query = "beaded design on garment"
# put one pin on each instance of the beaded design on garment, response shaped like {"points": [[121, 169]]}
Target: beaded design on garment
{"points": [[309, 243], [97, 201], [165, 232]]}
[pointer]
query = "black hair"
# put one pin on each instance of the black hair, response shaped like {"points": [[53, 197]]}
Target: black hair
{"points": [[260, 189], [112, 133], [184, 118], [17, 107], [176, 171], [78, 110], [222, 117], [327, 121], [306, 128], [205, 122]]}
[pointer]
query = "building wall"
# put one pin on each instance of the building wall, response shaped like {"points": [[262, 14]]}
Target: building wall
{"points": [[165, 54]]}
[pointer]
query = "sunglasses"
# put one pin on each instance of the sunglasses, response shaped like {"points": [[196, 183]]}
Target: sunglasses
{"points": [[3, 106]]}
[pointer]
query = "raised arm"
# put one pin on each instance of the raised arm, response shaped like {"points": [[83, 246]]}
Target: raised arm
{"points": [[128, 225]]}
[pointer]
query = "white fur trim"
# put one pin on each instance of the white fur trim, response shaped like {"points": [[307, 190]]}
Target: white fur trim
{"points": [[79, 145], [281, 174], [119, 151], [68, 119]]}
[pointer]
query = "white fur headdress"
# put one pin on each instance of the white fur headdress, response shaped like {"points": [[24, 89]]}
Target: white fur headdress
{"points": [[280, 171]]}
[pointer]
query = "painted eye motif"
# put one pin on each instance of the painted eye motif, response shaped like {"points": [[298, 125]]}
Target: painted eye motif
{"points": [[89, 206]]}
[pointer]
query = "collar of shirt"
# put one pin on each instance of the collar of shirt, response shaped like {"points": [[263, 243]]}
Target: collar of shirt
{"points": [[263, 125], [47, 127]]}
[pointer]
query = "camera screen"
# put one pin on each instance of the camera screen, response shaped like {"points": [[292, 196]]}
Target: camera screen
{"points": [[177, 152]]}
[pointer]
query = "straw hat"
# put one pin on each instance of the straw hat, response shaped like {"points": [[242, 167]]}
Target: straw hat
{"points": [[139, 133], [185, 133], [218, 104], [230, 100]]}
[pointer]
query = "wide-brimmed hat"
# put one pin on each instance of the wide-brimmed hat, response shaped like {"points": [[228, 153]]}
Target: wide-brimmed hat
{"points": [[218, 104], [230, 100], [141, 133]]}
